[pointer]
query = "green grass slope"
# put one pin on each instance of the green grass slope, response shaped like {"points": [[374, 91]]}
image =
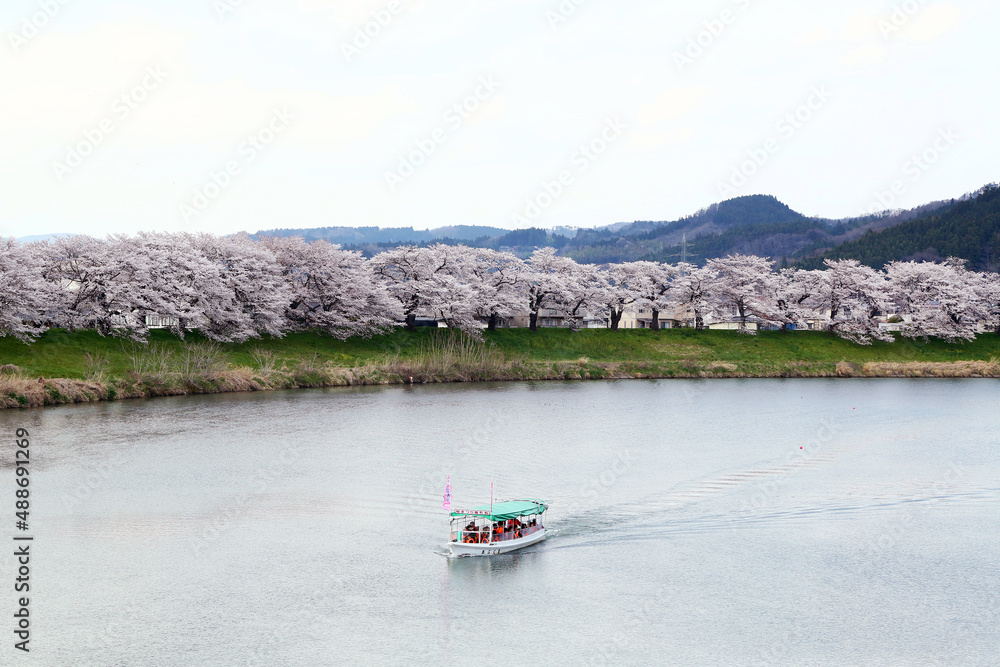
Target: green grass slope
{"points": [[82, 354]]}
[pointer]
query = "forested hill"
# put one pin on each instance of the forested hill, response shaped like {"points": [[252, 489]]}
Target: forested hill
{"points": [[969, 229], [660, 240], [754, 225]]}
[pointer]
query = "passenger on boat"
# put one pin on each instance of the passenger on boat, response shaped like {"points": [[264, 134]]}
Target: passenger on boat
{"points": [[470, 535]]}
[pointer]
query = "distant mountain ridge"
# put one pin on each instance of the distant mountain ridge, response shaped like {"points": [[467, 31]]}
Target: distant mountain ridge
{"points": [[42, 237], [361, 235], [754, 224]]}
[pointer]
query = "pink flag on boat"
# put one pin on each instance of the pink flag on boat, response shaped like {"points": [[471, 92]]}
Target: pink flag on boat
{"points": [[447, 495]]}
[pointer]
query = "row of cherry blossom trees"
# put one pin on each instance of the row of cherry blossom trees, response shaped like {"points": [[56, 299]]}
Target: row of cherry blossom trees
{"points": [[236, 288]]}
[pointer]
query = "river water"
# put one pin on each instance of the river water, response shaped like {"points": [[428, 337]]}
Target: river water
{"points": [[729, 522]]}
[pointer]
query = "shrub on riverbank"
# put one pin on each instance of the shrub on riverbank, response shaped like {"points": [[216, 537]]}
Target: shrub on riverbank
{"points": [[454, 357]]}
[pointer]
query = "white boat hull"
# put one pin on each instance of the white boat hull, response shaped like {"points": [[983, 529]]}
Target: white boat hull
{"points": [[495, 548]]}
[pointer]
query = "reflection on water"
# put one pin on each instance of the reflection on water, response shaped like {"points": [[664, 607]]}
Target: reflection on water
{"points": [[471, 568], [727, 522]]}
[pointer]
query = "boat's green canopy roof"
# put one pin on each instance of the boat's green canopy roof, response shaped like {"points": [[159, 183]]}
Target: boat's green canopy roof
{"points": [[510, 509]]}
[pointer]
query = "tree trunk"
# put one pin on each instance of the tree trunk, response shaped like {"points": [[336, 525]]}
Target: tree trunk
{"points": [[699, 323], [411, 322], [655, 326], [492, 326], [616, 317], [533, 322]]}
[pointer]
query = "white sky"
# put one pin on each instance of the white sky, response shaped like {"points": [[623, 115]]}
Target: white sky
{"points": [[687, 128]]}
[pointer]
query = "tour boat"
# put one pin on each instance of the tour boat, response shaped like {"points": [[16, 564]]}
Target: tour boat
{"points": [[497, 528]]}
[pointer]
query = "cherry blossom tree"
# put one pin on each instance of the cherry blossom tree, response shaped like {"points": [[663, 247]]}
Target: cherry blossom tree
{"points": [[243, 294], [851, 295], [617, 296], [744, 284], [586, 296], [22, 294], [943, 300], [174, 277], [497, 280], [625, 285], [652, 285], [331, 289], [551, 282], [794, 289], [428, 280], [693, 288], [94, 283], [991, 293]]}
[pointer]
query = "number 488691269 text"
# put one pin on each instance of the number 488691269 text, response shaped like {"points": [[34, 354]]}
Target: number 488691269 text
{"points": [[21, 459]]}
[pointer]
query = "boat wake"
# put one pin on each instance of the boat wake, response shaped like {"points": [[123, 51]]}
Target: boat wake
{"points": [[624, 524]]}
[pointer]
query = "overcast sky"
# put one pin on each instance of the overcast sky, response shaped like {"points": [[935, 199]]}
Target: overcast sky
{"points": [[226, 115]]}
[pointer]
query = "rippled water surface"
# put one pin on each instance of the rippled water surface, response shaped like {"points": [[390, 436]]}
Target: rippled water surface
{"points": [[786, 522]]}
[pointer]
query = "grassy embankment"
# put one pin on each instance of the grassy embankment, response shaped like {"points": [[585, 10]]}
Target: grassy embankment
{"points": [[80, 366]]}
